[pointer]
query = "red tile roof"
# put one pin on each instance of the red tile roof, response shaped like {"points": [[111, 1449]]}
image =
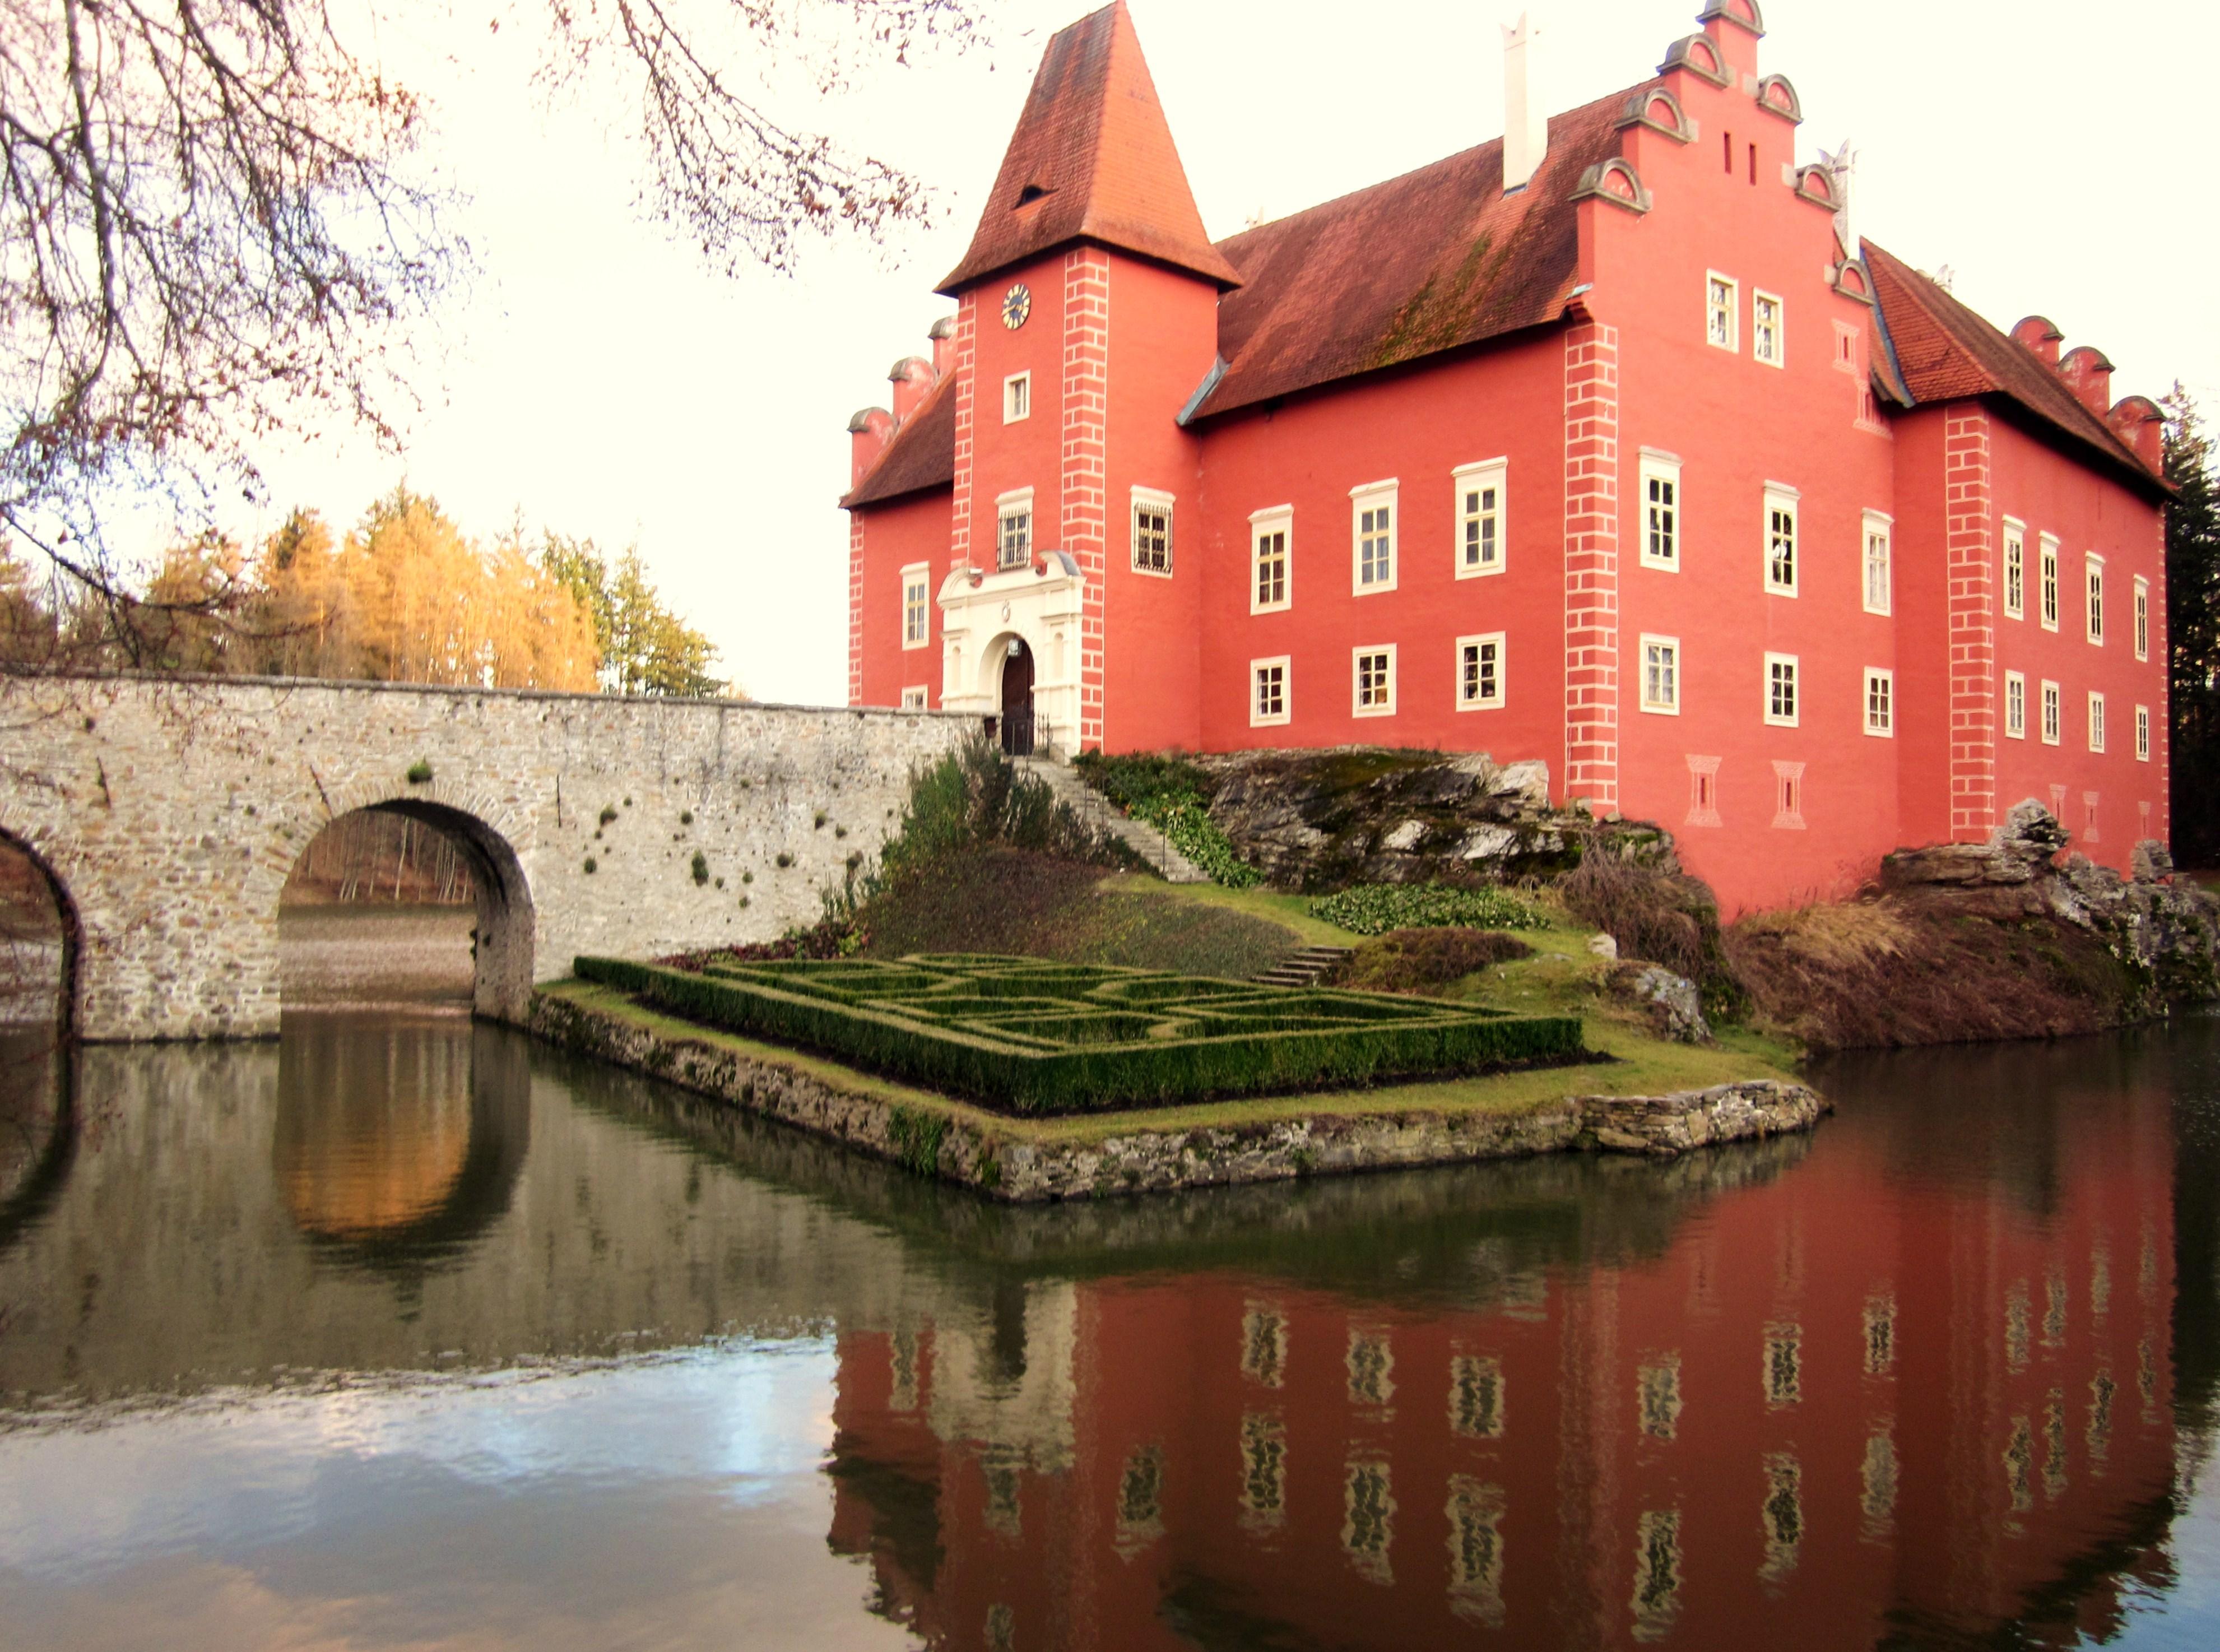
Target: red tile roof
{"points": [[1420, 264], [1092, 159], [1945, 352], [922, 454]]}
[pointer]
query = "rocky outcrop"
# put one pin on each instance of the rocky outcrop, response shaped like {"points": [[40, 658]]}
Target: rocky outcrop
{"points": [[1674, 1003], [1322, 821], [2164, 929]]}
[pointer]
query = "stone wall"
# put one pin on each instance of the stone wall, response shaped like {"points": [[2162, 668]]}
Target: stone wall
{"points": [[170, 812]]}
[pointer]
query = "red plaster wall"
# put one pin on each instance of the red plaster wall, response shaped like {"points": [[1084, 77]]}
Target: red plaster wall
{"points": [[2087, 512], [1737, 424], [1027, 454], [894, 535], [1416, 427], [1163, 336]]}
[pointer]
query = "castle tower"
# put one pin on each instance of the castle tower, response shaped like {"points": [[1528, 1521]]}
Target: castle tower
{"points": [[1087, 319]]}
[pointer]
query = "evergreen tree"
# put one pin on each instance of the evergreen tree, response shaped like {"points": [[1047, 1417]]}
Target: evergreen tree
{"points": [[2192, 632], [645, 647]]}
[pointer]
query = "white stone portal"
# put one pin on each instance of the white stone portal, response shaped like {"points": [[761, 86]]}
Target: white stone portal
{"points": [[981, 614]]}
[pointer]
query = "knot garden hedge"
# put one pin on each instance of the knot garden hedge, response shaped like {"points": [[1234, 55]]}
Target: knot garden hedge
{"points": [[1029, 1036]]}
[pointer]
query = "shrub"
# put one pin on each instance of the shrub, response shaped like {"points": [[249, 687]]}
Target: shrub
{"points": [[419, 772], [701, 867], [1376, 908], [1660, 917], [1098, 1055], [1411, 960]]}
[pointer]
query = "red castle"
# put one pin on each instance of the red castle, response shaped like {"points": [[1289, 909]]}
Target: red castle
{"points": [[1606, 443]]}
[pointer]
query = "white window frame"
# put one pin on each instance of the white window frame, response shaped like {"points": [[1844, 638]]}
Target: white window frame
{"points": [[2142, 617], [1731, 310], [917, 576], [1356, 656], [1670, 708], [1482, 640], [2014, 706], [1665, 468], [1466, 478], [916, 697], [1018, 501], [1781, 497], [1150, 499], [2092, 598], [1879, 525], [2015, 589], [2097, 721], [1778, 356], [1281, 520], [1886, 679], [1373, 495], [2142, 734], [1284, 665], [2053, 713], [1794, 718], [1017, 398], [2047, 598]]}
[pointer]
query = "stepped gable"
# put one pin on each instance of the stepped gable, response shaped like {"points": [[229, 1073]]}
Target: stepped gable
{"points": [[922, 454], [1423, 263], [1092, 159], [1946, 352]]}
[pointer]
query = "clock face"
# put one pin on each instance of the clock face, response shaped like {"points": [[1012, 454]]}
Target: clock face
{"points": [[1016, 304]]}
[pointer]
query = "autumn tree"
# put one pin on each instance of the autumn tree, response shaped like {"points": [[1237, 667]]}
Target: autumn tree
{"points": [[217, 221], [645, 647]]}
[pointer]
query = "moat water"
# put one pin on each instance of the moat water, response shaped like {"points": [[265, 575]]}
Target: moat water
{"points": [[403, 1331]]}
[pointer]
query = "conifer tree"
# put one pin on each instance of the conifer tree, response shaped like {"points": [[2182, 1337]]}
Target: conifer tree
{"points": [[2192, 631]]}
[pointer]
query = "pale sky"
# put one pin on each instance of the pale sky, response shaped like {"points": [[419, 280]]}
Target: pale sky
{"points": [[596, 377]]}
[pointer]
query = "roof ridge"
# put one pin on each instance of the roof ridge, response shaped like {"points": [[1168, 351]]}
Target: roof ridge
{"points": [[1474, 150], [2020, 377]]}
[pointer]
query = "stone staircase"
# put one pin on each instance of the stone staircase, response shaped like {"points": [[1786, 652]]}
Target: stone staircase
{"points": [[1097, 811], [1304, 969]]}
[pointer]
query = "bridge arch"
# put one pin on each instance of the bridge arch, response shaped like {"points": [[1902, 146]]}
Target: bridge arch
{"points": [[506, 921], [72, 933]]}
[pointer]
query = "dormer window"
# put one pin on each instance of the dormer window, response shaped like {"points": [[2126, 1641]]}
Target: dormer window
{"points": [[1032, 192]]}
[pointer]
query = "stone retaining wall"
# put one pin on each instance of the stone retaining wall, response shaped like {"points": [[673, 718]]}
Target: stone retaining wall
{"points": [[959, 1145]]}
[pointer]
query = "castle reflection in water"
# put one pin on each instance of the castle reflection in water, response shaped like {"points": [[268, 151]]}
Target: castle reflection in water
{"points": [[1923, 1377], [1920, 1380]]}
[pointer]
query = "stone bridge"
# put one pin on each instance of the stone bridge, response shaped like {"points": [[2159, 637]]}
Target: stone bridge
{"points": [[167, 813]]}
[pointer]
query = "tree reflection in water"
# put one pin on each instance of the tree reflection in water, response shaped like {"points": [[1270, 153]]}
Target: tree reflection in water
{"points": [[1923, 1379]]}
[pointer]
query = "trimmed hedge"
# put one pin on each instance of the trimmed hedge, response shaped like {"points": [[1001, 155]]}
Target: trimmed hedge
{"points": [[1088, 1049]]}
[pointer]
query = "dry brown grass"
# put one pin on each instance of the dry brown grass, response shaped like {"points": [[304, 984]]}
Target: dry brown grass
{"points": [[1899, 971]]}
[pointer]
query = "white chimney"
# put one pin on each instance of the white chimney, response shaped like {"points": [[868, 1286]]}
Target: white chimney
{"points": [[1525, 121]]}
